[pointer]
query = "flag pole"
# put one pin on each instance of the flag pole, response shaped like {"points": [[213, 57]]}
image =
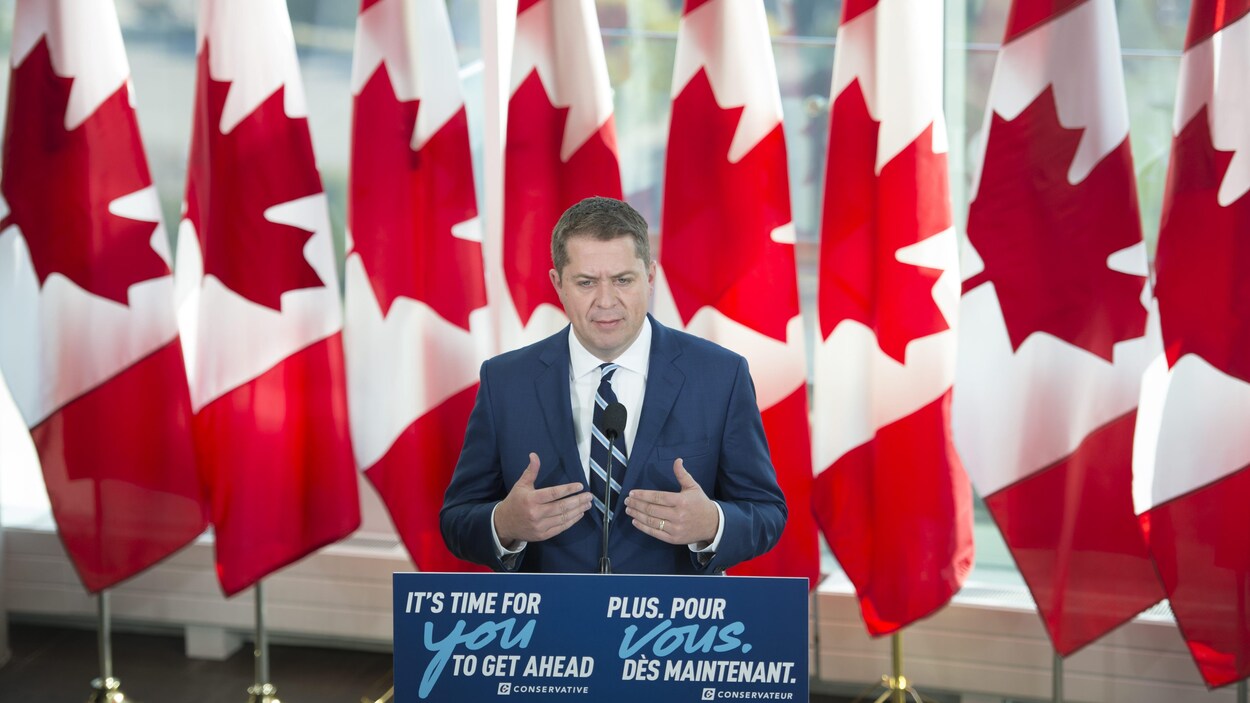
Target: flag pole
{"points": [[262, 691], [105, 689], [1056, 680], [897, 687], [1242, 695], [898, 684]]}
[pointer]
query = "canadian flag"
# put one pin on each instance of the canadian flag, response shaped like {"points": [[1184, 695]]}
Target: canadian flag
{"points": [[727, 268], [890, 494], [88, 337], [259, 303], [416, 328], [559, 147], [1192, 474], [1053, 336]]}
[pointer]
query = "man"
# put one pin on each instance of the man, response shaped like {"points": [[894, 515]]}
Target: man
{"points": [[697, 491]]}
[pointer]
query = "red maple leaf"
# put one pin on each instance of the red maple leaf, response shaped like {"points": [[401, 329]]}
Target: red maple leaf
{"points": [[266, 160], [1202, 282], [1045, 242], [868, 219], [718, 217], [403, 204], [59, 183], [539, 187]]}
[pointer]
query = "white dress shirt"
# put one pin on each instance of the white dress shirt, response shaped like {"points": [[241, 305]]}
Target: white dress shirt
{"points": [[629, 383]]}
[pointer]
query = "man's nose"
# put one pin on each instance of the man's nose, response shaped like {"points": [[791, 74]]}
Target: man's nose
{"points": [[604, 297]]}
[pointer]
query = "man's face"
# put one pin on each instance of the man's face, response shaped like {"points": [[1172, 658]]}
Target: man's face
{"points": [[605, 288]]}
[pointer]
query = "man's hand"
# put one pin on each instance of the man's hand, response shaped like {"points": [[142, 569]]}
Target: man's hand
{"points": [[531, 514], [685, 517]]}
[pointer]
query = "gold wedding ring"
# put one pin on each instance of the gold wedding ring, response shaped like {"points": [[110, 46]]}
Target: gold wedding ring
{"points": [[662, 524]]}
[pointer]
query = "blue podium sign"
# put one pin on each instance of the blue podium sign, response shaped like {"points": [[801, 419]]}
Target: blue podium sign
{"points": [[569, 637]]}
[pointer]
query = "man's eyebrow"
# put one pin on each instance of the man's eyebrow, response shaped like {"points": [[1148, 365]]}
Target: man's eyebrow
{"points": [[589, 277]]}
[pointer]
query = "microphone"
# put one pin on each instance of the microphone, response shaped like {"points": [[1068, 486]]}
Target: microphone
{"points": [[613, 425], [614, 420]]}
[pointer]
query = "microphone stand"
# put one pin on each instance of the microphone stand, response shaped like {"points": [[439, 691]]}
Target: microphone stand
{"points": [[605, 563]]}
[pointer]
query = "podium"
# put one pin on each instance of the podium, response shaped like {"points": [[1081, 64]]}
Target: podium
{"points": [[573, 637]]}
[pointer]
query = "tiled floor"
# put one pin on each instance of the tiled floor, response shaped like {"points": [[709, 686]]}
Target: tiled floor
{"points": [[55, 665]]}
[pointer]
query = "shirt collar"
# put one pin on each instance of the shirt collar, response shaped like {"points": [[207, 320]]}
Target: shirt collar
{"points": [[636, 358]]}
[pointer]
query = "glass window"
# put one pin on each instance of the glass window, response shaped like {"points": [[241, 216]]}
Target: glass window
{"points": [[640, 39]]}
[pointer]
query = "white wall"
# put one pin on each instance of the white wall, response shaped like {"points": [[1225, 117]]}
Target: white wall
{"points": [[4, 613], [988, 645]]}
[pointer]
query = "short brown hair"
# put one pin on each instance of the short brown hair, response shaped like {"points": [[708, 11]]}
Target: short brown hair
{"points": [[604, 219]]}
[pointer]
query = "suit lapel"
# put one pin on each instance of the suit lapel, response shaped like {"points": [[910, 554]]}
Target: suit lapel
{"points": [[552, 388], [664, 382]]}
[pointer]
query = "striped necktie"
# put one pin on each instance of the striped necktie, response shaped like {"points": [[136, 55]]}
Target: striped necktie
{"points": [[599, 446]]}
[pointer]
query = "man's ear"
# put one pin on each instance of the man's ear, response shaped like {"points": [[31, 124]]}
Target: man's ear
{"points": [[651, 273], [555, 279]]}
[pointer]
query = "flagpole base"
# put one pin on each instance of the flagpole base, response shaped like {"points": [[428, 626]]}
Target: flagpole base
{"points": [[108, 691], [262, 693], [386, 697], [898, 690]]}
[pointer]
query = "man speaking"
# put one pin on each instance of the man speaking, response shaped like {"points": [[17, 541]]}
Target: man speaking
{"points": [[670, 418]]}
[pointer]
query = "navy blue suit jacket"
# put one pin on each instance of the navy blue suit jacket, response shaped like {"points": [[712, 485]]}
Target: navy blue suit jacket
{"points": [[699, 405]]}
